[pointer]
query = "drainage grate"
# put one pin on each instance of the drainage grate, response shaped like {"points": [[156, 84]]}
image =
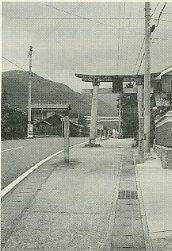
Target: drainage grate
{"points": [[128, 195]]}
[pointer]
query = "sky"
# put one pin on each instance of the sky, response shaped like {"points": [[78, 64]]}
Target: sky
{"points": [[83, 37]]}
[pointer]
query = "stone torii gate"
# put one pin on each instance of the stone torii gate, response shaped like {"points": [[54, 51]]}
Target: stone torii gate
{"points": [[117, 87]]}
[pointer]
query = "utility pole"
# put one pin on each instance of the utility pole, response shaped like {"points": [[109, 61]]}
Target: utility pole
{"points": [[147, 79], [141, 120], [120, 110], [66, 124], [30, 126]]}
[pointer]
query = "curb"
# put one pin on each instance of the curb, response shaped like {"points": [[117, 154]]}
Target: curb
{"points": [[148, 241]]}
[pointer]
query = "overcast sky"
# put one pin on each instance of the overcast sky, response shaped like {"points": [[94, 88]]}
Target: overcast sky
{"points": [[83, 37]]}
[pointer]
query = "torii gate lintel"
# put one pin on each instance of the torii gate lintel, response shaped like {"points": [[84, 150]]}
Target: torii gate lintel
{"points": [[96, 79]]}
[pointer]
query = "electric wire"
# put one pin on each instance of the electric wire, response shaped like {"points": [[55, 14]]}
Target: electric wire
{"points": [[119, 23], [78, 16], [155, 9], [12, 63], [140, 63], [75, 18], [92, 20], [139, 54], [122, 35], [127, 39], [160, 14], [76, 8]]}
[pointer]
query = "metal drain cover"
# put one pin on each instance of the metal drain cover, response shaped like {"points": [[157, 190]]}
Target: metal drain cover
{"points": [[128, 195]]}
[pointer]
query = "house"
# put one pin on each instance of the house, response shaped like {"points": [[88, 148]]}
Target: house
{"points": [[162, 87], [48, 120]]}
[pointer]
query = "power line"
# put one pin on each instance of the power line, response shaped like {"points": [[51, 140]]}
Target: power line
{"points": [[139, 54], [162, 20], [59, 25], [118, 39], [76, 18], [13, 63], [129, 24], [83, 18], [122, 36], [141, 63], [160, 14], [70, 13], [155, 9]]}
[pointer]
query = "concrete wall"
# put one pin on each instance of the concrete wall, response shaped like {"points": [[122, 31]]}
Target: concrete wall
{"points": [[165, 154], [163, 139], [163, 130]]}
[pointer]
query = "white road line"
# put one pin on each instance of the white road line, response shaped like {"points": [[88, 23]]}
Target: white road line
{"points": [[12, 149], [24, 175]]}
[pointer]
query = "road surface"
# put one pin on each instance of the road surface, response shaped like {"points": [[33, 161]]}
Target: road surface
{"points": [[17, 156]]}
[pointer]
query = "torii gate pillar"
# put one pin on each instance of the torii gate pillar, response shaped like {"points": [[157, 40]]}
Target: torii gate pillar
{"points": [[94, 113]]}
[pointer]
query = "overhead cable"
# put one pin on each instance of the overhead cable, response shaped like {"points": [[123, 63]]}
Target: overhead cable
{"points": [[139, 55], [141, 63], [160, 14], [155, 9], [12, 63]]}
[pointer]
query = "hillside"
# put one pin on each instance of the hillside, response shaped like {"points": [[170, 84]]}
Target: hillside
{"points": [[15, 84]]}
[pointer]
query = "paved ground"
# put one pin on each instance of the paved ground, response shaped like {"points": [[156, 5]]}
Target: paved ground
{"points": [[86, 205], [155, 186]]}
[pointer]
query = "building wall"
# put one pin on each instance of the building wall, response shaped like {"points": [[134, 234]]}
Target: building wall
{"points": [[163, 134], [165, 154], [163, 139]]}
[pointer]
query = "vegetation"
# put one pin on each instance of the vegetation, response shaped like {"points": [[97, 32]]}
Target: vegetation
{"points": [[15, 100], [13, 121], [129, 115], [47, 92]]}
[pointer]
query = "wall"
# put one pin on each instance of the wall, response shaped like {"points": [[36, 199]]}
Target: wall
{"points": [[163, 130], [166, 82], [165, 155], [163, 139]]}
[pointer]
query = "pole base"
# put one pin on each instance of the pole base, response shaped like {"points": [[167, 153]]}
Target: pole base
{"points": [[92, 145], [30, 137], [30, 131]]}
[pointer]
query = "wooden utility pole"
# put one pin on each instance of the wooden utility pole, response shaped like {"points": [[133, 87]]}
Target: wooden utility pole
{"points": [[66, 137], [30, 126], [147, 101], [141, 120], [120, 111], [94, 113]]}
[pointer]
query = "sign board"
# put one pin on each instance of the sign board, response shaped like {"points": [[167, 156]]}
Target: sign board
{"points": [[100, 91], [129, 90]]}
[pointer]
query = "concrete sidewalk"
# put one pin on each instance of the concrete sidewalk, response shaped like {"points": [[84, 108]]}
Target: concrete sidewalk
{"points": [[79, 207], [155, 187]]}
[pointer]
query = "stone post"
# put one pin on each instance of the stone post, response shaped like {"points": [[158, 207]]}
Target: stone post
{"points": [[94, 113]]}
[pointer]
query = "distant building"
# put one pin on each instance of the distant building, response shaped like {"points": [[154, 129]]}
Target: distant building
{"points": [[48, 120]]}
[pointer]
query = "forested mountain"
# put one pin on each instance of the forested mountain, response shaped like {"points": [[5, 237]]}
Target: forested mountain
{"points": [[15, 88]]}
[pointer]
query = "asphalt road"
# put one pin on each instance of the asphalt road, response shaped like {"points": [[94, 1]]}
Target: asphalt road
{"points": [[17, 156]]}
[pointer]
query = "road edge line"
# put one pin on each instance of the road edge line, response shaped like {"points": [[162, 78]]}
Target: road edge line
{"points": [[24, 175]]}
